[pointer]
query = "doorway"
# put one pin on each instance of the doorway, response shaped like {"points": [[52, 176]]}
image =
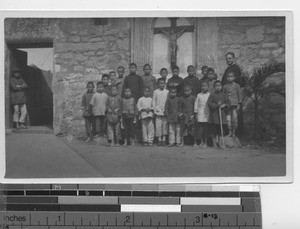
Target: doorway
{"points": [[36, 63]]}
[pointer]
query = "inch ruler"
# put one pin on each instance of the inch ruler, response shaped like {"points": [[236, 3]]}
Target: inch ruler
{"points": [[130, 207]]}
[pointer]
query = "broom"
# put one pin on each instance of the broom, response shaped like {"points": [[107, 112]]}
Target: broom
{"points": [[221, 125]]}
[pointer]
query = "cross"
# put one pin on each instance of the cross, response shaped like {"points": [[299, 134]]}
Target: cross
{"points": [[173, 33]]}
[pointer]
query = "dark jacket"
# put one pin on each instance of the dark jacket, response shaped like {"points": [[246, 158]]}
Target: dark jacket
{"points": [[172, 109], [238, 75], [213, 102], [194, 82], [85, 104], [136, 84], [177, 83]]}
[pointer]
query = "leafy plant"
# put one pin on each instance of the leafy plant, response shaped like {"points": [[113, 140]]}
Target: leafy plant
{"points": [[257, 86]]}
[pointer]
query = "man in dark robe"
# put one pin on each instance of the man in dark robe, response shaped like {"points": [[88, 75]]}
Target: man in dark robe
{"points": [[233, 67]]}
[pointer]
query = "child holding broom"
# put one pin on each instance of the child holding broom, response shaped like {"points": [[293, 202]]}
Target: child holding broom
{"points": [[217, 103]]}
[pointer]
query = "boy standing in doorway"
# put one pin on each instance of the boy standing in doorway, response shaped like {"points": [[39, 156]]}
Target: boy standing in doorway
{"points": [[18, 99]]}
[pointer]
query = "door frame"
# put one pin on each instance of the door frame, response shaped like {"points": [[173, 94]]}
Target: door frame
{"points": [[9, 49]]}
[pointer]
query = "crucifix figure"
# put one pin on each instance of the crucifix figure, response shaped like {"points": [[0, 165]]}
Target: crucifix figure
{"points": [[173, 33]]}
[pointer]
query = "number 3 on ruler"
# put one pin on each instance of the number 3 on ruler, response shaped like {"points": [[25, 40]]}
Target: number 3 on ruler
{"points": [[198, 219]]}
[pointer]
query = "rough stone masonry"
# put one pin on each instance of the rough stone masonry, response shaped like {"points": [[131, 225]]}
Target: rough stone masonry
{"points": [[83, 51]]}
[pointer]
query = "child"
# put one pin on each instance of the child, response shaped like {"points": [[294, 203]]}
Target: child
{"points": [[144, 106], [175, 81], [112, 78], [216, 101], [18, 99], [204, 69], [87, 111], [187, 108], [134, 82], [149, 80], [160, 96], [233, 95], [163, 74], [114, 103], [192, 80], [128, 117], [98, 103], [201, 110], [172, 111], [211, 78], [120, 79], [107, 87]]}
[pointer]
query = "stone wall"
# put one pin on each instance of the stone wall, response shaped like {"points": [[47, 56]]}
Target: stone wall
{"points": [[83, 52], [255, 41]]}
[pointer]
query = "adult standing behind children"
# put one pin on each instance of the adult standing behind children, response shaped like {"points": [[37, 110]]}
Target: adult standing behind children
{"points": [[192, 81], [134, 82], [149, 80], [18, 99], [175, 82], [233, 67]]}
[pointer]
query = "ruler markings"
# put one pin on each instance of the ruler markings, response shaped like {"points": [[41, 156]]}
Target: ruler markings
{"points": [[249, 203], [249, 219]]}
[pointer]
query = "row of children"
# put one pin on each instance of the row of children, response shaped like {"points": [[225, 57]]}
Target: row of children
{"points": [[173, 108]]}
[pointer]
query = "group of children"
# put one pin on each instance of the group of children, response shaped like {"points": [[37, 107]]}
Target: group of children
{"points": [[125, 108]]}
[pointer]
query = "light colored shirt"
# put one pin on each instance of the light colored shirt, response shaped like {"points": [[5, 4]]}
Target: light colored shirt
{"points": [[98, 102], [145, 103], [159, 101], [201, 107]]}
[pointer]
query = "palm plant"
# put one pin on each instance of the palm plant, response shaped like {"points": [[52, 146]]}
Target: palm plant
{"points": [[257, 86]]}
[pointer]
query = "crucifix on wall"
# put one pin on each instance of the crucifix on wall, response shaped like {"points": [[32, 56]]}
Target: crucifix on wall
{"points": [[173, 33]]}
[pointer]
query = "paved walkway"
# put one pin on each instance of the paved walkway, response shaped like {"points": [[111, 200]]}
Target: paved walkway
{"points": [[47, 156], [139, 161], [43, 156]]}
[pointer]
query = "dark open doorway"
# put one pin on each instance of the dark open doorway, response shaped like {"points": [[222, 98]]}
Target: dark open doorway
{"points": [[36, 62]]}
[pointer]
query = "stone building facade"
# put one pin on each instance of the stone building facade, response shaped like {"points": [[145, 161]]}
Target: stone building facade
{"points": [[86, 48]]}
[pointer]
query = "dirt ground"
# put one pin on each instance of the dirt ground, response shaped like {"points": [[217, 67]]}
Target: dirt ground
{"points": [[47, 156]]}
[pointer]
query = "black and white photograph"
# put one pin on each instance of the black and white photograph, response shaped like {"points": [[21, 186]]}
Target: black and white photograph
{"points": [[146, 97]]}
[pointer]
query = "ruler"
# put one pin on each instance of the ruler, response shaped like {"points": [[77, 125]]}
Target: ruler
{"points": [[72, 206]]}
